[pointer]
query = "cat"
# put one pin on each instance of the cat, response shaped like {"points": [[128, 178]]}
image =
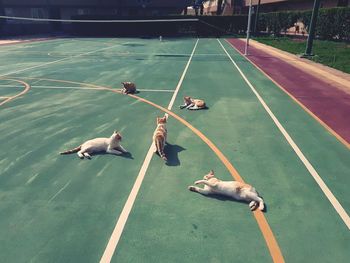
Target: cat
{"points": [[159, 137], [193, 104], [237, 190], [129, 88], [108, 145]]}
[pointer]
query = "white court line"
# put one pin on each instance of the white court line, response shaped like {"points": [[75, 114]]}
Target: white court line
{"points": [[335, 203], [81, 88], [170, 54], [117, 232], [64, 187], [157, 90], [64, 87], [127, 53], [10, 86], [57, 61]]}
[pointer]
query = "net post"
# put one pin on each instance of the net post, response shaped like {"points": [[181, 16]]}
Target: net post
{"points": [[248, 28], [310, 38]]}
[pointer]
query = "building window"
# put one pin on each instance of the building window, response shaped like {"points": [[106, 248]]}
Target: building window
{"points": [[10, 12], [37, 12], [144, 1], [83, 11], [343, 3]]}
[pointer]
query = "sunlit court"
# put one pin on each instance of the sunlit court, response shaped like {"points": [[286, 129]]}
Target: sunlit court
{"points": [[104, 159]]}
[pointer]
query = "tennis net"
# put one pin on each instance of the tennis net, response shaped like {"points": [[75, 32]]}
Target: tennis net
{"points": [[88, 25]]}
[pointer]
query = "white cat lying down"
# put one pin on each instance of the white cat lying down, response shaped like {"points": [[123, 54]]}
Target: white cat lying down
{"points": [[234, 189], [106, 145]]}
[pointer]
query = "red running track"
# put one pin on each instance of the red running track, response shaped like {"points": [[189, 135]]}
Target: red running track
{"points": [[327, 102]]}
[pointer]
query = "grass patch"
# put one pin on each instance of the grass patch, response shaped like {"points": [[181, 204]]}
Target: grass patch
{"points": [[329, 53]]}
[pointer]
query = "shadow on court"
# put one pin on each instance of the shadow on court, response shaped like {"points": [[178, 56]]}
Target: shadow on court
{"points": [[205, 108], [172, 153], [227, 198], [127, 155]]}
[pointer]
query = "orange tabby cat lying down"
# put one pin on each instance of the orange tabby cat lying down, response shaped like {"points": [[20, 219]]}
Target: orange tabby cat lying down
{"points": [[193, 104], [234, 189]]}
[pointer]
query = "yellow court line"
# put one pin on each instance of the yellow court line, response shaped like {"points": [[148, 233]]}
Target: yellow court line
{"points": [[26, 89], [264, 226], [328, 128]]}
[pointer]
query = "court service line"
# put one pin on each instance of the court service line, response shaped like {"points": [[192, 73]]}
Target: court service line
{"points": [[57, 61], [157, 90], [49, 87], [53, 54], [90, 88], [271, 242], [10, 86], [81, 88], [333, 200], [117, 232]]}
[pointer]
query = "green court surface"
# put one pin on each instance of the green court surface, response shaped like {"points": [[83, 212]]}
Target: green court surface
{"points": [[58, 208]]}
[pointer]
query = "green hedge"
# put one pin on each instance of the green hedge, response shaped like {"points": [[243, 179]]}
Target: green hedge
{"points": [[332, 23]]}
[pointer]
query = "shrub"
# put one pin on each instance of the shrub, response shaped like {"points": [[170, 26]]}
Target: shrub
{"points": [[332, 23]]}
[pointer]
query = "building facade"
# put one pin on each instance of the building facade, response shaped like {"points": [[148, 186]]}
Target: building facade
{"points": [[66, 9], [283, 5], [75, 9], [229, 7]]}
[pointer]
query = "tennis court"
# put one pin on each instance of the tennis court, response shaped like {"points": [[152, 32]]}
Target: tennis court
{"points": [[135, 208]]}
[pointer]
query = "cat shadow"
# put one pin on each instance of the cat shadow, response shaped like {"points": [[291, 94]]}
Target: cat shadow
{"points": [[172, 154], [205, 108], [227, 198], [126, 155]]}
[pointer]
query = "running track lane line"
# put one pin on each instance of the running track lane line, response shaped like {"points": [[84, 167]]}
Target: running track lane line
{"points": [[119, 227], [335, 203], [328, 128], [57, 61], [26, 89], [268, 235]]}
